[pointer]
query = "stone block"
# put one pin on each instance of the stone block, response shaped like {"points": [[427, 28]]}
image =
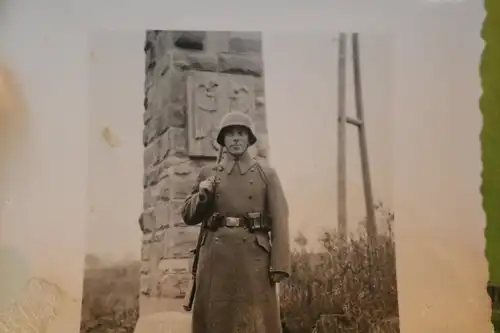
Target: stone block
{"points": [[189, 40], [163, 64], [176, 114], [161, 212], [183, 169], [198, 61], [154, 128], [146, 116], [146, 239], [259, 86], [157, 192], [150, 63], [171, 110], [182, 178], [175, 215], [145, 250], [245, 45], [145, 267], [165, 41], [151, 176], [151, 154], [149, 95], [180, 241], [158, 237], [157, 95], [172, 142], [167, 317], [167, 214], [260, 102], [148, 220], [148, 82], [150, 39], [177, 88], [262, 145], [147, 198], [152, 238], [145, 287], [217, 41], [181, 187], [173, 285], [241, 64], [184, 279], [256, 35], [155, 174], [169, 287], [260, 121], [174, 266]]}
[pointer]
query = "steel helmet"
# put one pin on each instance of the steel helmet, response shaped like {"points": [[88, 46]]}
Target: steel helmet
{"points": [[236, 119]]}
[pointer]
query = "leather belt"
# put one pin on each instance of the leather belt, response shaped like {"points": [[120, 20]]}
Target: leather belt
{"points": [[252, 222], [233, 222]]}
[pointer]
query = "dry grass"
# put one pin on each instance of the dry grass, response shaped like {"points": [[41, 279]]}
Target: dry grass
{"points": [[340, 284], [111, 299], [353, 293]]}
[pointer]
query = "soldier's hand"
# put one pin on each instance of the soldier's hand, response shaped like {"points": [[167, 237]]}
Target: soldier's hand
{"points": [[207, 185], [277, 277]]}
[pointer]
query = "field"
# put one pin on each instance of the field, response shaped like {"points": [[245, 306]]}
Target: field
{"points": [[340, 287], [110, 299]]}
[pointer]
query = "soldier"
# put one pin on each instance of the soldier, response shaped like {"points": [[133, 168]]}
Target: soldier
{"points": [[245, 250]]}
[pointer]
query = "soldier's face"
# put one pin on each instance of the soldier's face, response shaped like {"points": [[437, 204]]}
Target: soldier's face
{"points": [[236, 140]]}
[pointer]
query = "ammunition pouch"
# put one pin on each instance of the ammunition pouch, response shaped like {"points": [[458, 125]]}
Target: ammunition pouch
{"points": [[251, 221]]}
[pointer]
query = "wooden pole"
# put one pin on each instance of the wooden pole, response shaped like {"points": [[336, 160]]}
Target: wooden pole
{"points": [[371, 228], [341, 141]]}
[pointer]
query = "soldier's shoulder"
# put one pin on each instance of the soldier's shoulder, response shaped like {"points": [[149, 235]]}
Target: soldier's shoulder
{"points": [[268, 170]]}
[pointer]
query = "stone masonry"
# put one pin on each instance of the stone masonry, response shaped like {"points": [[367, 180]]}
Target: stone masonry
{"points": [[192, 79]]}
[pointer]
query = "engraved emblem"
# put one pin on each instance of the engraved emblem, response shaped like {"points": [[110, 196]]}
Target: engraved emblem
{"points": [[210, 97], [205, 96], [240, 98]]}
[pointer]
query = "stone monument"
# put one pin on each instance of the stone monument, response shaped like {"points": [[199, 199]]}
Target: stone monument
{"points": [[192, 79]]}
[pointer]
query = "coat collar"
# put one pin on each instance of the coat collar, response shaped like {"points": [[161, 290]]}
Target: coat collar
{"points": [[242, 164]]}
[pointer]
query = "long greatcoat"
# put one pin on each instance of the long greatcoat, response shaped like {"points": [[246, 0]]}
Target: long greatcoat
{"points": [[234, 293]]}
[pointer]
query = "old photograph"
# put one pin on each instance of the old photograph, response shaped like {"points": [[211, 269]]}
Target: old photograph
{"points": [[240, 182]]}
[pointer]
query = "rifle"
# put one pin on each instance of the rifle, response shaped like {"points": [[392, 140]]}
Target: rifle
{"points": [[189, 300]]}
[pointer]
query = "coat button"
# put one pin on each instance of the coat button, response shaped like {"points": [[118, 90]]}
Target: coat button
{"points": [[251, 181], [250, 197]]}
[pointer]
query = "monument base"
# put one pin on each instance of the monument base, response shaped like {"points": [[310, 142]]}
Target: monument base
{"points": [[164, 322], [161, 315]]}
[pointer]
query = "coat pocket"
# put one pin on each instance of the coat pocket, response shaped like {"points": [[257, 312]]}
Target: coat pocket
{"points": [[263, 241]]}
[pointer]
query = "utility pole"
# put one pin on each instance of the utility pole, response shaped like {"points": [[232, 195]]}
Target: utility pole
{"points": [[341, 141], [359, 122], [371, 227]]}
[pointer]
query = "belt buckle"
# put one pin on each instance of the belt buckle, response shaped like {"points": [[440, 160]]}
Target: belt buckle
{"points": [[232, 222]]}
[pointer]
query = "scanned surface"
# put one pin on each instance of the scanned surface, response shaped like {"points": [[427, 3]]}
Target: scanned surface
{"points": [[49, 206]]}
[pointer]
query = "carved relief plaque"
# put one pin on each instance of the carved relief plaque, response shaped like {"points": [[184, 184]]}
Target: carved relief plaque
{"points": [[210, 97], [241, 96]]}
